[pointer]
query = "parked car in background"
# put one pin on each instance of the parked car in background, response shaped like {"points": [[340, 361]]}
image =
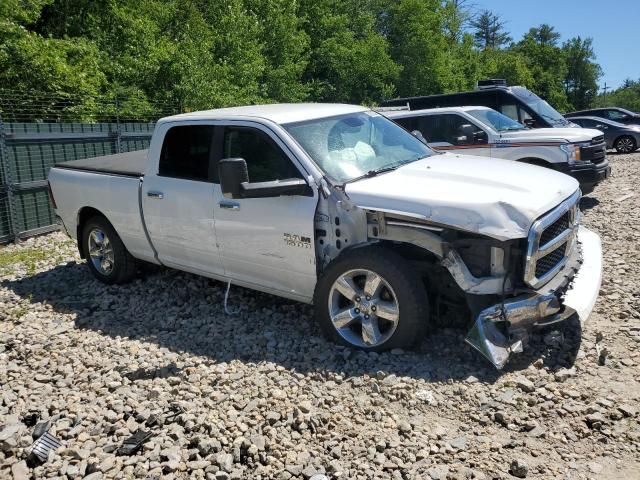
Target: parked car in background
{"points": [[616, 114], [518, 103], [624, 138], [338, 206], [484, 131]]}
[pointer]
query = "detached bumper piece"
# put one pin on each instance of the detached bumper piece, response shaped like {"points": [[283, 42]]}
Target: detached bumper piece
{"points": [[517, 317], [503, 329]]}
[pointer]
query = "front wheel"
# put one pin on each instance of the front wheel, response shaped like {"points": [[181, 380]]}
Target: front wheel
{"points": [[372, 299], [625, 144], [107, 257]]}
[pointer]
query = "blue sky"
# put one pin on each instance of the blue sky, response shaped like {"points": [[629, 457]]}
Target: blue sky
{"points": [[614, 26]]}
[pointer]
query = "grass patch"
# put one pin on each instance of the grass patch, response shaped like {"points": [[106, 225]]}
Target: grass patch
{"points": [[28, 257]]}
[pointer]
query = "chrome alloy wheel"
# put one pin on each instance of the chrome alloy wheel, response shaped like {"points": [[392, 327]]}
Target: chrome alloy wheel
{"points": [[100, 251], [625, 145], [363, 308]]}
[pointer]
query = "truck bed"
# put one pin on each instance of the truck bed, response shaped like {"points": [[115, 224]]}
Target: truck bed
{"points": [[130, 164]]}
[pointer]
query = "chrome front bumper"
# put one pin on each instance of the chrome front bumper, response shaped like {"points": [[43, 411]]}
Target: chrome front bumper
{"points": [[525, 312]]}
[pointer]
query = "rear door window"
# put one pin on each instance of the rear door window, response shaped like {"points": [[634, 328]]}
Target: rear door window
{"points": [[408, 123], [186, 153]]}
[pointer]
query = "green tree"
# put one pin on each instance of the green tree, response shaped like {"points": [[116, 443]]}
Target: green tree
{"points": [[489, 30], [548, 67], [508, 64], [349, 60], [59, 74], [627, 96], [544, 34], [418, 45], [581, 79]]}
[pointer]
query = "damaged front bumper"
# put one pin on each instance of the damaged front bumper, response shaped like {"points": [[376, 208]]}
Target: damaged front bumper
{"points": [[520, 314]]}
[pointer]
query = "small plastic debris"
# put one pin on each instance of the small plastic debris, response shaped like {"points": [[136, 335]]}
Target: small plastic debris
{"points": [[40, 429], [134, 443], [169, 415], [41, 448], [30, 419]]}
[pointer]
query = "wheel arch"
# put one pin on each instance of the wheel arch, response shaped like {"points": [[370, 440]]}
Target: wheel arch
{"points": [[623, 135], [540, 162], [84, 214]]}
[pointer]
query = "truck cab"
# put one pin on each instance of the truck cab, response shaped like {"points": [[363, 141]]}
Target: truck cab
{"points": [[337, 206], [483, 131]]}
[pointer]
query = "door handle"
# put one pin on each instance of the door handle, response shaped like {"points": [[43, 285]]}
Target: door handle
{"points": [[228, 205], [158, 195]]}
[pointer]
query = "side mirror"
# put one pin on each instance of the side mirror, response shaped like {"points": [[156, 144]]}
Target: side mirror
{"points": [[601, 127], [470, 134], [480, 136], [419, 136], [234, 182], [233, 173], [465, 134], [530, 122]]}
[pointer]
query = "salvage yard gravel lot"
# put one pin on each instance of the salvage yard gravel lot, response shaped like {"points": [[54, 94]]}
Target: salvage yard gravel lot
{"points": [[264, 396]]}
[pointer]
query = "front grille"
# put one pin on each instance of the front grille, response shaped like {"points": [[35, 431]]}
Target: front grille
{"points": [[596, 152], [551, 242], [555, 229], [548, 262]]}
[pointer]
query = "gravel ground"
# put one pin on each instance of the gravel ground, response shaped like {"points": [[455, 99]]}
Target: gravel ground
{"points": [[263, 396]]}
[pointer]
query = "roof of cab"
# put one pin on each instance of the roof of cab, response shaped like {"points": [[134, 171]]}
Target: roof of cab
{"points": [[276, 112], [410, 113]]}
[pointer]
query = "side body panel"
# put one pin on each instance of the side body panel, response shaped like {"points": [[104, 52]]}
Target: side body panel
{"points": [[116, 197], [179, 213], [269, 242], [181, 224]]}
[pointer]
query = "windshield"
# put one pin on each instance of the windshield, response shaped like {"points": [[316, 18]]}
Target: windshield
{"points": [[497, 120], [628, 112], [350, 146], [539, 106]]}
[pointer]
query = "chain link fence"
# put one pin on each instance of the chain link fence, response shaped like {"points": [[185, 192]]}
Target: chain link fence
{"points": [[39, 130]]}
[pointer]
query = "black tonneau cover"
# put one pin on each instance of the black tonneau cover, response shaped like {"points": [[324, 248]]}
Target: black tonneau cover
{"points": [[130, 164]]}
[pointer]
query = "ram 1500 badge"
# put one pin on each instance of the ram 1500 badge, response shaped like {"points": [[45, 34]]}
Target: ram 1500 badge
{"points": [[337, 206]]}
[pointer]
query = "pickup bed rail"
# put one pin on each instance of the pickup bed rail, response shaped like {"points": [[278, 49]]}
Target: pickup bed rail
{"points": [[130, 164]]}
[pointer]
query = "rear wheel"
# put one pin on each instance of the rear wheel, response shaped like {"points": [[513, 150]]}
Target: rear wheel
{"points": [[372, 299], [625, 144], [107, 257]]}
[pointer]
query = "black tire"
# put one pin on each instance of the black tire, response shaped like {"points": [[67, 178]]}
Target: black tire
{"points": [[406, 285], [123, 267], [625, 144]]}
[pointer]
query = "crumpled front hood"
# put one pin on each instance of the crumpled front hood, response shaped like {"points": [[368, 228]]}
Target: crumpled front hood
{"points": [[492, 197], [571, 135]]}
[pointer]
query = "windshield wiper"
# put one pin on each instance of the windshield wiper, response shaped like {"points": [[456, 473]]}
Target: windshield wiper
{"points": [[378, 171]]}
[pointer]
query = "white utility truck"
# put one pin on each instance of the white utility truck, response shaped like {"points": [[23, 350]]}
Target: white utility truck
{"points": [[338, 206], [579, 152]]}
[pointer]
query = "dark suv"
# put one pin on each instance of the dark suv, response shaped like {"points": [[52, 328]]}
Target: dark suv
{"points": [[518, 103], [616, 114]]}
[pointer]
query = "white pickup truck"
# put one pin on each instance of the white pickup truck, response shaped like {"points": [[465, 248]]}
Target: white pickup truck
{"points": [[338, 206], [578, 152]]}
